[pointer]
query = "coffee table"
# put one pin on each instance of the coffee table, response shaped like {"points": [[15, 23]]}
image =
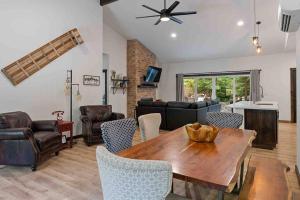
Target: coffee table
{"points": [[213, 165]]}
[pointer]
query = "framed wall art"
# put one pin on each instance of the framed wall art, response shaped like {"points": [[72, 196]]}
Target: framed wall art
{"points": [[91, 80]]}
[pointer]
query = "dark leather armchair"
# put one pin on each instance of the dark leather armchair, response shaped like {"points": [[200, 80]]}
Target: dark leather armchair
{"points": [[92, 117], [25, 142]]}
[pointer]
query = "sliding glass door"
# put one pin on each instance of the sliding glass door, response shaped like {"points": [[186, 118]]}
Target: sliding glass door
{"points": [[204, 88], [189, 89], [226, 88], [242, 88]]}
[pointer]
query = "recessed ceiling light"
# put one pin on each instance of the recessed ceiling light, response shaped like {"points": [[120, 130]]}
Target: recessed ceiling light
{"points": [[173, 35], [240, 23]]}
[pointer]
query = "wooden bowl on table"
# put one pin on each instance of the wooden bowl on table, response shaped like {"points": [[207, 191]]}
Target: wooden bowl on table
{"points": [[201, 133]]}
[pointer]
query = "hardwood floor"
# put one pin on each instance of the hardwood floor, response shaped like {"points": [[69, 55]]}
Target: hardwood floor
{"points": [[285, 151], [73, 175]]}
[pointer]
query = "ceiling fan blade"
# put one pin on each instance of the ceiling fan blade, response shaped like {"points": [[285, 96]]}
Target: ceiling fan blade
{"points": [[105, 2], [148, 16], [158, 21], [183, 13], [173, 6], [176, 20], [152, 9]]}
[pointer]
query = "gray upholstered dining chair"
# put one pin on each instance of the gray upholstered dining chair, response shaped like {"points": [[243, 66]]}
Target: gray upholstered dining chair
{"points": [[118, 135], [149, 125], [225, 120], [128, 179]]}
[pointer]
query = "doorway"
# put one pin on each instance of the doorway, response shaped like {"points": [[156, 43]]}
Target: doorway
{"points": [[293, 95]]}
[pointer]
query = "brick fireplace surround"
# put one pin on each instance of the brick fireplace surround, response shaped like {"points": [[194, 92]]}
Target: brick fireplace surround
{"points": [[138, 60]]}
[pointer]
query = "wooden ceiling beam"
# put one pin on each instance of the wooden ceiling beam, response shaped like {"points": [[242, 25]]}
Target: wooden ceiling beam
{"points": [[105, 2]]}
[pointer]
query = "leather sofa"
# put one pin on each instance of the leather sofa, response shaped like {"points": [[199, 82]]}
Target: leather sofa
{"points": [[24, 142], [147, 107], [92, 116], [177, 114], [213, 106]]}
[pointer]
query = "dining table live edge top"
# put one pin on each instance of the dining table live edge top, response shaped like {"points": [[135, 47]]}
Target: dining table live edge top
{"points": [[215, 165]]}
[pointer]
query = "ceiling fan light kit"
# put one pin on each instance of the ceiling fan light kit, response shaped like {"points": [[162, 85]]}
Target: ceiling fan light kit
{"points": [[164, 18], [167, 14]]}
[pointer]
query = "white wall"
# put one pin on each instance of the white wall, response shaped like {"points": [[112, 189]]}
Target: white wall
{"points": [[275, 75], [29, 24], [115, 46]]}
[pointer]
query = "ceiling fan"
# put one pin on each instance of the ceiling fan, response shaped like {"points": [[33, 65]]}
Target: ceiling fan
{"points": [[167, 14]]}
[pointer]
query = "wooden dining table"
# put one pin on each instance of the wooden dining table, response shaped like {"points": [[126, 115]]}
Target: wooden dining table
{"points": [[213, 165]]}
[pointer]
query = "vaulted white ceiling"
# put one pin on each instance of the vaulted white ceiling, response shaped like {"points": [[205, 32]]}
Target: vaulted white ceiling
{"points": [[212, 33]]}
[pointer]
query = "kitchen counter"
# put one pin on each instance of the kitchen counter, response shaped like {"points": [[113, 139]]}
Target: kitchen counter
{"points": [[259, 105], [261, 116]]}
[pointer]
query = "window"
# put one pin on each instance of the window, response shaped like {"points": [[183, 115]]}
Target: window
{"points": [[226, 88], [204, 89], [242, 88], [189, 90]]}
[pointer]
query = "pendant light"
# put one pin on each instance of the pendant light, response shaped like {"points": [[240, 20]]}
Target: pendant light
{"points": [[258, 49], [256, 38], [258, 45]]}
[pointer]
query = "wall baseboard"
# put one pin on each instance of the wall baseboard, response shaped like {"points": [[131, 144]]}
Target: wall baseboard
{"points": [[284, 121], [77, 136], [297, 173]]}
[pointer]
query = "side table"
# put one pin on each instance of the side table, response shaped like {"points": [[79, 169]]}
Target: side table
{"points": [[64, 126]]}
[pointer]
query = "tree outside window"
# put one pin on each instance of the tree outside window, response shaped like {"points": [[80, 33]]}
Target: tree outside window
{"points": [[242, 88], [204, 89], [226, 88], [189, 89]]}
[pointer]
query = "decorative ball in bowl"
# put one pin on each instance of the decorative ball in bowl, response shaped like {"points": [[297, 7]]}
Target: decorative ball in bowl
{"points": [[201, 133]]}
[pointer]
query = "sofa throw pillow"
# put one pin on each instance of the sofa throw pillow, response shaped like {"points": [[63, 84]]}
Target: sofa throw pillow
{"points": [[3, 123]]}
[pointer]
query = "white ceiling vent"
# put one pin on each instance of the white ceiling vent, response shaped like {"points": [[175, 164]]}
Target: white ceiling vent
{"points": [[289, 15]]}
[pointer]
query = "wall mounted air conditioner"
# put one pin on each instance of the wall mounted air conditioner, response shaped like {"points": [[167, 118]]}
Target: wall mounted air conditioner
{"points": [[289, 15]]}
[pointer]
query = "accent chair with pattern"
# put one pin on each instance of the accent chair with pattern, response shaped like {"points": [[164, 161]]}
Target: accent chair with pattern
{"points": [[149, 125], [225, 120], [129, 179], [118, 135]]}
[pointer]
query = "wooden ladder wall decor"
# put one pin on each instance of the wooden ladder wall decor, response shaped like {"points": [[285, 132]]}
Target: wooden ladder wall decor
{"points": [[36, 60]]}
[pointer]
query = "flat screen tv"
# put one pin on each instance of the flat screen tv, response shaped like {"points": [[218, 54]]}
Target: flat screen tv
{"points": [[153, 75]]}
